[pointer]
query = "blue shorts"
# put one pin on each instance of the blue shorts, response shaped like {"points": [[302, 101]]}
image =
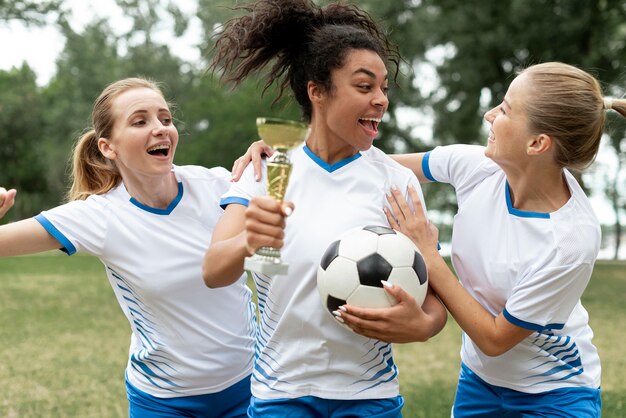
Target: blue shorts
{"points": [[477, 398], [312, 407], [232, 402]]}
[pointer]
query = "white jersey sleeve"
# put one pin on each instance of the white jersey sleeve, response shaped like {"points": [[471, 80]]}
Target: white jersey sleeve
{"points": [[83, 222], [546, 298], [461, 166], [246, 188]]}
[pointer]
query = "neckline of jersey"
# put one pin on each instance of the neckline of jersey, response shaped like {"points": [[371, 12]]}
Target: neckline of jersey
{"points": [[159, 211], [518, 212], [330, 167]]}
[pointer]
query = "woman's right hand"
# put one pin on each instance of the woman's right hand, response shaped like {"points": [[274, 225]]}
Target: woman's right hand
{"points": [[255, 153], [265, 222], [7, 199]]}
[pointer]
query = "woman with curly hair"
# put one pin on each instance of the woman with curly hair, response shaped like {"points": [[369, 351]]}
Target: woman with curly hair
{"points": [[333, 59]]}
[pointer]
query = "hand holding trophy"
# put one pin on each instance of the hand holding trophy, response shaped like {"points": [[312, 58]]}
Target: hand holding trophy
{"points": [[281, 135]]}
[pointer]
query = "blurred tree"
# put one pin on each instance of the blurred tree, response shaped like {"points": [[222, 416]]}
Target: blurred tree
{"points": [[475, 49], [89, 61], [28, 11], [21, 136]]}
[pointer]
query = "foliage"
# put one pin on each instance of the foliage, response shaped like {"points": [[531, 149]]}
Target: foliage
{"points": [[21, 134], [459, 58], [28, 11]]}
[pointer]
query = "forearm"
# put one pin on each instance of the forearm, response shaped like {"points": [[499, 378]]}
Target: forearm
{"points": [[436, 311], [482, 327], [223, 261], [413, 162], [25, 237]]}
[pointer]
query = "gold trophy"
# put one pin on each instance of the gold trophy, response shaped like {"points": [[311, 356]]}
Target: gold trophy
{"points": [[281, 135]]}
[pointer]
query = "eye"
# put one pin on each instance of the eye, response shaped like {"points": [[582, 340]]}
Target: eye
{"points": [[502, 110], [167, 121], [365, 87], [139, 122], [385, 90]]}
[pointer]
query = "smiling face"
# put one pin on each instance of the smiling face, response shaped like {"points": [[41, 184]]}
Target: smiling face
{"points": [[509, 134], [143, 138], [350, 113]]}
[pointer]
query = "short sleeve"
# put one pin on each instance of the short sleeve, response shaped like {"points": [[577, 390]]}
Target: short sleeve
{"points": [[546, 299], [246, 188], [462, 166], [79, 226]]}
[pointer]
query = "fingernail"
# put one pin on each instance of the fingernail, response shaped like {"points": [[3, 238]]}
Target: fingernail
{"points": [[337, 313], [288, 211], [340, 319], [387, 284], [343, 308], [394, 188]]}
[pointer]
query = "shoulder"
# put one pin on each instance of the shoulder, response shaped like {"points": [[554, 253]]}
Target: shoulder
{"points": [[381, 161], [191, 172], [577, 227]]}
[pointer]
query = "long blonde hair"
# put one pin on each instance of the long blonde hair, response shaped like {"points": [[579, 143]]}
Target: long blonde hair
{"points": [[92, 173], [567, 104]]}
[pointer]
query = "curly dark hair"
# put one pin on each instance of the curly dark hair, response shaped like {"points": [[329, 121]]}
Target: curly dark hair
{"points": [[304, 41]]}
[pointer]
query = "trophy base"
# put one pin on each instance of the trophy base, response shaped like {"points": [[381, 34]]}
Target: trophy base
{"points": [[264, 265]]}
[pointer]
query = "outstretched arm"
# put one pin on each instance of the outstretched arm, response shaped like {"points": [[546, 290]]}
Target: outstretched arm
{"points": [[259, 149], [413, 162], [23, 237], [493, 335]]}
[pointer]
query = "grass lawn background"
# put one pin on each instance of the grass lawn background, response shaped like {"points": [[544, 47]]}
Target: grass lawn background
{"points": [[64, 343]]}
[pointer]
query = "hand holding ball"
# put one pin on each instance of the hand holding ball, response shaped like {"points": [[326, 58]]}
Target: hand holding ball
{"points": [[352, 268]]}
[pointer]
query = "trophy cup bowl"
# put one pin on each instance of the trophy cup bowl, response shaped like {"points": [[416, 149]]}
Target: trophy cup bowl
{"points": [[281, 135]]}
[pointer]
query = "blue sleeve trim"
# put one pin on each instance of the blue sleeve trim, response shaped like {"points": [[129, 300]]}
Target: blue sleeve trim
{"points": [[68, 247], [236, 200], [426, 167], [529, 325]]}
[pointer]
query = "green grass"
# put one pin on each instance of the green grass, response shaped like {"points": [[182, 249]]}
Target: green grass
{"points": [[64, 343]]}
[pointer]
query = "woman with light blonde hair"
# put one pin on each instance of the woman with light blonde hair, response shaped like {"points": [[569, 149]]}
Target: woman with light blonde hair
{"points": [[150, 222]]}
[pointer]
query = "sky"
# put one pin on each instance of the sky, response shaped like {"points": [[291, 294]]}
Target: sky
{"points": [[40, 46]]}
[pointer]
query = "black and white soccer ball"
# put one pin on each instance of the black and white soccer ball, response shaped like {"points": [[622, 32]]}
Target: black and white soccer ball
{"points": [[353, 266]]}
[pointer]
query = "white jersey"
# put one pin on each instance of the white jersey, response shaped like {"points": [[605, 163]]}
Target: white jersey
{"points": [[186, 339], [533, 267], [301, 349]]}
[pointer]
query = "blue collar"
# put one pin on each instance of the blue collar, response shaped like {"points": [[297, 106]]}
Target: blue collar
{"points": [[521, 213], [158, 211], [330, 167]]}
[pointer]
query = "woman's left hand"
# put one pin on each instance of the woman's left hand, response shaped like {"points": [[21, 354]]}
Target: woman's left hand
{"points": [[412, 222], [402, 323]]}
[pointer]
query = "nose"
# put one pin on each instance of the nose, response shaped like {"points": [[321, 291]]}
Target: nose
{"points": [[490, 115], [158, 128], [380, 99]]}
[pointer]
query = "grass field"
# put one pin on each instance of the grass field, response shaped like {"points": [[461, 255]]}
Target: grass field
{"points": [[64, 343]]}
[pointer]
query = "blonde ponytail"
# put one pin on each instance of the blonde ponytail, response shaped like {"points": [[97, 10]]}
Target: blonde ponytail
{"points": [[92, 173]]}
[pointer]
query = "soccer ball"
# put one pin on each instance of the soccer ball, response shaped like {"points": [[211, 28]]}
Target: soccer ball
{"points": [[352, 268]]}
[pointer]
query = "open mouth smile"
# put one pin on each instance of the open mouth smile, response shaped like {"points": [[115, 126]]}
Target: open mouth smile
{"points": [[160, 150]]}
